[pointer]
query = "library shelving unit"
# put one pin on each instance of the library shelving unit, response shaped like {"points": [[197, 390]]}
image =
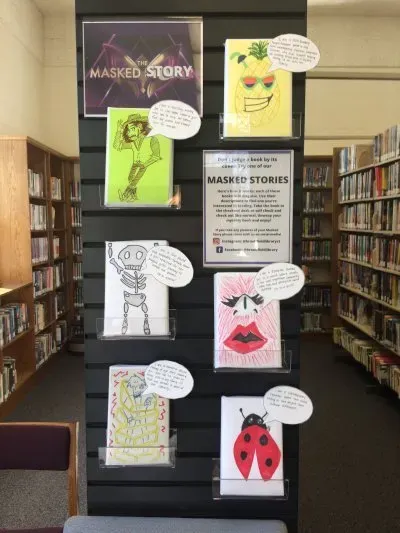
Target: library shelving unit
{"points": [[76, 341], [35, 252], [316, 245], [366, 255]]}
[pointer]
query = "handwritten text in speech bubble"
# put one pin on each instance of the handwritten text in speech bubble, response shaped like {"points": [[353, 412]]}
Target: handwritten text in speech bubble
{"points": [[174, 119], [293, 52], [279, 281], [287, 405], [168, 379], [169, 266]]}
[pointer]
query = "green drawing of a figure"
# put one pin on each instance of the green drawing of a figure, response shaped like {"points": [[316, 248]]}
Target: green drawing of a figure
{"points": [[132, 134]]}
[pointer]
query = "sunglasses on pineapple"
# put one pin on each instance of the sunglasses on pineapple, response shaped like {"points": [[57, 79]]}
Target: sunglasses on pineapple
{"points": [[250, 81]]}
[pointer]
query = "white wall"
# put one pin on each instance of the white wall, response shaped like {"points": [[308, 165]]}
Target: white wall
{"points": [[60, 85], [21, 59]]}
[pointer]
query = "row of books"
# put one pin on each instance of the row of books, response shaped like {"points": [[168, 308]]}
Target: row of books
{"points": [[8, 378], [387, 144], [60, 306], [38, 216], [313, 202], [44, 347], [311, 227], [76, 244], [357, 216], [61, 332], [59, 274], [14, 320], [76, 217], [384, 366], [379, 285], [40, 249], [381, 252], [316, 296], [372, 183], [77, 270], [312, 250], [78, 296], [56, 188], [42, 281], [315, 177], [40, 315], [75, 191], [56, 247], [311, 322], [383, 215], [386, 215], [35, 184], [354, 157]]}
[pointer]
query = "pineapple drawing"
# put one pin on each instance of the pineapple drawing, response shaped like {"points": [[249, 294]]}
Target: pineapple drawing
{"points": [[257, 93]]}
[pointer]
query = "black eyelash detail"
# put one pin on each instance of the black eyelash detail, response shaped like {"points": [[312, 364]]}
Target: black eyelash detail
{"points": [[231, 302]]}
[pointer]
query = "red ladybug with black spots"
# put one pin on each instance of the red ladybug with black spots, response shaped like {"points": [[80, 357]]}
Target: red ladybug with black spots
{"points": [[255, 438]]}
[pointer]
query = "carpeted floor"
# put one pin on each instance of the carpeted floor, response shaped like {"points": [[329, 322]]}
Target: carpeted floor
{"points": [[350, 450]]}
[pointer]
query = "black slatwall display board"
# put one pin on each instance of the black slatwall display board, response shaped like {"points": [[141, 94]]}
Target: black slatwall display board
{"points": [[185, 490]]}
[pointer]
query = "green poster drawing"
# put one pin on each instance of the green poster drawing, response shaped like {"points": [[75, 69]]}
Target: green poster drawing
{"points": [[138, 167]]}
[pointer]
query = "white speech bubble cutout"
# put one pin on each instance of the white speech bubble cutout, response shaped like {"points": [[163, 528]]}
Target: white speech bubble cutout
{"points": [[279, 281], [293, 52], [169, 266], [168, 379], [174, 119], [287, 405]]}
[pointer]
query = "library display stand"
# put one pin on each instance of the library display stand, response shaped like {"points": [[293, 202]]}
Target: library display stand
{"points": [[187, 489], [35, 251], [367, 252], [316, 245]]}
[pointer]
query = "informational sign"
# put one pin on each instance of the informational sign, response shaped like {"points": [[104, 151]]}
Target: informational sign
{"points": [[248, 205]]}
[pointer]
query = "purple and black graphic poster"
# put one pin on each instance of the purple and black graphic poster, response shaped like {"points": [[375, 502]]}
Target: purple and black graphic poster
{"points": [[138, 63]]}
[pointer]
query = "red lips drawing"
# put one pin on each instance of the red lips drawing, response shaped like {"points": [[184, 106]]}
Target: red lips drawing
{"points": [[245, 339]]}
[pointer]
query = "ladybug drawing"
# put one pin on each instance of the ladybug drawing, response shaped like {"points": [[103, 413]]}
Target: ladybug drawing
{"points": [[254, 439]]}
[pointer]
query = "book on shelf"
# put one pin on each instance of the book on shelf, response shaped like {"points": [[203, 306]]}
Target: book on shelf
{"points": [[77, 270], [8, 378], [13, 321], [355, 156], [59, 274], [387, 180], [316, 250], [36, 184], [316, 296], [313, 202], [311, 322], [56, 247], [139, 167], [78, 296], [60, 306], [76, 244], [44, 347], [40, 315], [311, 227], [38, 217], [61, 332], [42, 281], [256, 103], [40, 249], [360, 185], [76, 217], [56, 188], [387, 144], [75, 191], [316, 177]]}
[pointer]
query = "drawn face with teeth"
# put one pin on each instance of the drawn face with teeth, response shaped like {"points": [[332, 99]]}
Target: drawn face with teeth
{"points": [[132, 256]]}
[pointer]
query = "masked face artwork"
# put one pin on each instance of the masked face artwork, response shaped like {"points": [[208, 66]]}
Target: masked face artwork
{"points": [[247, 329]]}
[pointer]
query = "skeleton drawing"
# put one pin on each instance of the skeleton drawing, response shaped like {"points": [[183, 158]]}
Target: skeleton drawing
{"points": [[132, 258]]}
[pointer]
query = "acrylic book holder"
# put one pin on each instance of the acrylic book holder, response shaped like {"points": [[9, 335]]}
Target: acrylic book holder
{"points": [[159, 328], [243, 123], [174, 202], [140, 456], [273, 485], [285, 368]]}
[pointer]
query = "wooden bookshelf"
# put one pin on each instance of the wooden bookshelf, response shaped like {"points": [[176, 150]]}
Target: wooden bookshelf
{"points": [[367, 258], [317, 269], [18, 157]]}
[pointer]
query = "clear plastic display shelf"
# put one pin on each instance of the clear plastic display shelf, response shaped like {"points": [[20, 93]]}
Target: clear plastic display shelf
{"points": [[174, 201], [140, 456], [243, 125], [262, 361], [139, 328], [239, 488]]}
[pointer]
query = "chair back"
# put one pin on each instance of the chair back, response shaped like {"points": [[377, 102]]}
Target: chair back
{"points": [[42, 446]]}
